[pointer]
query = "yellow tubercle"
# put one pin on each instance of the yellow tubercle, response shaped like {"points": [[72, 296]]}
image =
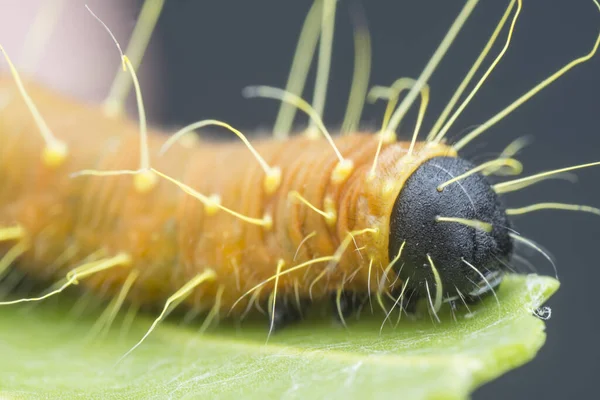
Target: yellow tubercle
{"points": [[145, 181], [54, 155], [267, 222], [272, 180], [342, 171], [388, 137], [330, 211], [212, 206], [312, 134]]}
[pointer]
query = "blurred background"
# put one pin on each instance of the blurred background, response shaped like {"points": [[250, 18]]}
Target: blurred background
{"points": [[203, 53]]}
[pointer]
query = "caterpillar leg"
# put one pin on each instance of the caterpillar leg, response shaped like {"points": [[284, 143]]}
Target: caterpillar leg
{"points": [[105, 321], [453, 309], [474, 299], [214, 311], [173, 301], [286, 312], [283, 312], [346, 303], [409, 302], [464, 300]]}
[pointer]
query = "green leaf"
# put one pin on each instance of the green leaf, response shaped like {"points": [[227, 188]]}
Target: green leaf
{"points": [[44, 351]]}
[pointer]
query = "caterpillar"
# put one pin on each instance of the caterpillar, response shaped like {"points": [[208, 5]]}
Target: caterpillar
{"points": [[277, 224]]}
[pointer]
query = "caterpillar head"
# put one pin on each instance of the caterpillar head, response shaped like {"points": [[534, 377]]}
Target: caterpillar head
{"points": [[467, 260]]}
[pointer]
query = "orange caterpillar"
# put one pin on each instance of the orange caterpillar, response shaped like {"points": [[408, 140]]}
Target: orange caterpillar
{"points": [[169, 236], [276, 224]]}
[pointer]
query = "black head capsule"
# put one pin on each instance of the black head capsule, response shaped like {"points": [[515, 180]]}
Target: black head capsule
{"points": [[463, 255]]}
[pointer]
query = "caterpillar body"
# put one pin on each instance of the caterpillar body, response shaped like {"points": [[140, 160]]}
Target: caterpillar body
{"points": [[287, 223], [171, 237]]}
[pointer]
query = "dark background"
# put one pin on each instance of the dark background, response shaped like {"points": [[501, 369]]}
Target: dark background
{"points": [[212, 49]]}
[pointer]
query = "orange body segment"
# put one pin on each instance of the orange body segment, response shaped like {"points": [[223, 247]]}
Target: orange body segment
{"points": [[167, 232]]}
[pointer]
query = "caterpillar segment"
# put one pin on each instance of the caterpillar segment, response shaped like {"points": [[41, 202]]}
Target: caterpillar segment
{"points": [[169, 235]]}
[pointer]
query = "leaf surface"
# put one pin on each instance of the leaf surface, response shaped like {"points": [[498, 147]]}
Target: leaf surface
{"points": [[45, 351]]}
